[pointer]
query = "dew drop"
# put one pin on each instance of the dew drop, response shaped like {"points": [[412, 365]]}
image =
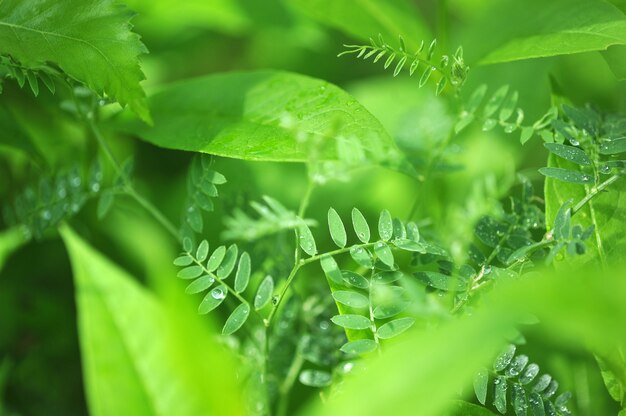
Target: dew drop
{"points": [[75, 181], [347, 367], [95, 187], [45, 214], [574, 142], [605, 169], [218, 293], [324, 325]]}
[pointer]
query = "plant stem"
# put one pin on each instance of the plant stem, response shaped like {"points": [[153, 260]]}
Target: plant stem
{"points": [[218, 280], [288, 382], [595, 191], [128, 187]]}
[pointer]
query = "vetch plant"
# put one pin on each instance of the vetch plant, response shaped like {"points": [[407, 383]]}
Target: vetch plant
{"points": [[316, 239]]}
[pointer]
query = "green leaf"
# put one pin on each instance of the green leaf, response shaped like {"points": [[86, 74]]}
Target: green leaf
{"points": [[216, 258], [350, 298], [105, 202], [481, 382], [236, 319], [213, 299], [264, 293], [605, 212], [190, 272], [495, 101], [203, 251], [263, 115], [337, 230], [331, 269], [409, 245], [383, 252], [11, 240], [499, 399], [199, 285], [385, 225], [315, 378], [613, 147], [362, 256], [571, 153], [562, 221], [520, 402], [242, 277], [536, 404], [554, 28], [461, 408], [442, 281], [394, 328], [360, 346], [306, 240], [355, 279], [90, 40], [361, 228], [145, 374], [365, 18], [567, 175], [352, 321], [228, 264]]}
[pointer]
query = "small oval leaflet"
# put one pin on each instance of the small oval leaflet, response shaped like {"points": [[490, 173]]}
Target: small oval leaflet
{"points": [[362, 256], [517, 366], [242, 277], [228, 263], [504, 359], [442, 281], [481, 382], [495, 101], [194, 219], [360, 346], [536, 404], [361, 228], [199, 285], [613, 147], [385, 225], [571, 153], [384, 253], [529, 374], [306, 240], [567, 175], [315, 378], [518, 397], [562, 221], [203, 251], [352, 321], [412, 232], [409, 245], [387, 311], [264, 293], [236, 319], [499, 400], [183, 260], [331, 269], [350, 298], [387, 277], [354, 279], [394, 328], [216, 258], [337, 230], [190, 272], [213, 299]]}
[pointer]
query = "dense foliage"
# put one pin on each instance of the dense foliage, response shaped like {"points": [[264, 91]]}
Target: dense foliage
{"points": [[419, 211]]}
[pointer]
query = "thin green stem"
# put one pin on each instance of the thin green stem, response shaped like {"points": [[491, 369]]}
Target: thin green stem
{"points": [[128, 187], [218, 280], [595, 191], [288, 382]]}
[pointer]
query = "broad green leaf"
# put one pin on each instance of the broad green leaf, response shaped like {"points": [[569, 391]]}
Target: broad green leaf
{"points": [[615, 57], [461, 408], [306, 240], [228, 264], [11, 240], [367, 18], [556, 28], [127, 369], [567, 175], [360, 346], [394, 328], [242, 277], [331, 269], [337, 230], [352, 321], [361, 228], [350, 298], [213, 299], [216, 258], [442, 281], [263, 115], [562, 221], [481, 382], [355, 279], [383, 252], [236, 319], [199, 285], [385, 225], [90, 40], [571, 153], [264, 293], [606, 212]]}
